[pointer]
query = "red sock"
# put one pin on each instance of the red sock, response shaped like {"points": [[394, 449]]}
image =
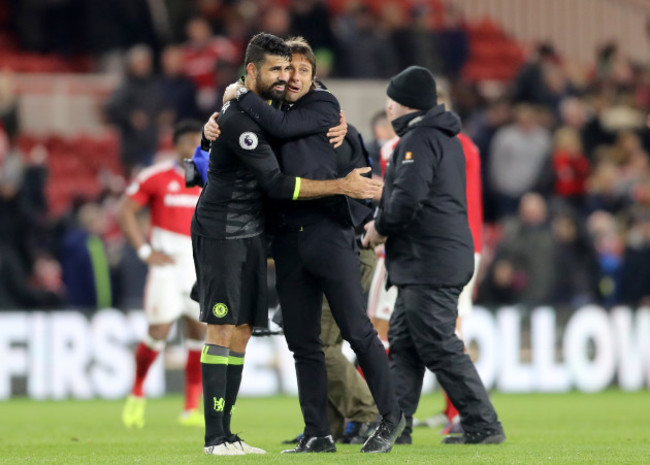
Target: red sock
{"points": [[144, 357], [193, 387], [450, 410]]}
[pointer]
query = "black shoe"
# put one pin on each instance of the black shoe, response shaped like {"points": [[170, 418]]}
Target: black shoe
{"points": [[383, 439], [478, 437], [404, 439], [313, 444], [295, 440]]}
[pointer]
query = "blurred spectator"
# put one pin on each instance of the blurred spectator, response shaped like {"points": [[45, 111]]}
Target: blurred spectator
{"points": [[275, 20], [518, 154], [114, 26], [541, 81], [482, 129], [635, 267], [382, 132], [410, 36], [502, 284], [368, 51], [8, 104], [18, 219], [135, 107], [575, 262], [311, 20], [526, 264], [17, 291], [203, 52], [605, 192], [454, 43], [177, 89], [83, 259], [604, 232], [606, 57], [570, 166], [575, 114]]}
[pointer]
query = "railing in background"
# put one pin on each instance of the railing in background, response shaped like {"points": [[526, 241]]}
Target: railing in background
{"points": [[576, 27]]}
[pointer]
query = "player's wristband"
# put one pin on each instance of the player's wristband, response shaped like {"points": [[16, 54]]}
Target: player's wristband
{"points": [[144, 252], [296, 189]]}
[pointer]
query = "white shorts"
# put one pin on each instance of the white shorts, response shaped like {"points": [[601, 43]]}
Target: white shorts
{"points": [[465, 300], [167, 292], [381, 301]]}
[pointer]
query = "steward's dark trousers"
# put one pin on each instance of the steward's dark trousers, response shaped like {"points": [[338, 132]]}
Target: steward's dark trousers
{"points": [[323, 258], [422, 334]]}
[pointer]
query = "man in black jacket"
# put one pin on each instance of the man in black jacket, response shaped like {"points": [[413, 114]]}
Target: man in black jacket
{"points": [[315, 253], [429, 255]]}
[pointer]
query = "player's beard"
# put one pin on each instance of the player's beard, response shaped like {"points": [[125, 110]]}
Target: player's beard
{"points": [[268, 92]]}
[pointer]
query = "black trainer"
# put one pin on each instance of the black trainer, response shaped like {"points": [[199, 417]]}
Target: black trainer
{"points": [[478, 437], [383, 439], [313, 444]]}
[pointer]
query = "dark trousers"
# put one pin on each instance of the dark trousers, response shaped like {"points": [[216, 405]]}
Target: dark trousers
{"points": [[347, 392], [422, 335], [323, 259]]}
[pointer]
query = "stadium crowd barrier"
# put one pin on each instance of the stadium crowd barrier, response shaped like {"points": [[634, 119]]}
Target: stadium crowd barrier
{"points": [[73, 354]]}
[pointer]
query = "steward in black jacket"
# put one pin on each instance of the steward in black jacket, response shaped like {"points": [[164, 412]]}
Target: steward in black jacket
{"points": [[423, 209], [429, 256]]}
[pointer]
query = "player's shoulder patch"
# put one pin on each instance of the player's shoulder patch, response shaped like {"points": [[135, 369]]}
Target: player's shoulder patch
{"points": [[248, 140]]}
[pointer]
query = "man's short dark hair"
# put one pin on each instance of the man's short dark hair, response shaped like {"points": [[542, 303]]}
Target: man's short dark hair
{"points": [[299, 46], [185, 126], [264, 44]]}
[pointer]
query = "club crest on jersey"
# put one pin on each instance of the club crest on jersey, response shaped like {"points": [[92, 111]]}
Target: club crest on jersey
{"points": [[248, 140]]}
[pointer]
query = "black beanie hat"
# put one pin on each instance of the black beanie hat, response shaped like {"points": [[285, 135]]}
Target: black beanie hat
{"points": [[414, 87]]}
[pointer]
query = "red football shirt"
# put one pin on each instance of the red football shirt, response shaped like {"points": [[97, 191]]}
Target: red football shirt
{"points": [[162, 188], [473, 190], [201, 63]]}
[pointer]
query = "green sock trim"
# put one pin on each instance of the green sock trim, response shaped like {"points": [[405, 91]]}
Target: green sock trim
{"points": [[100, 270], [234, 360], [212, 359], [296, 190]]}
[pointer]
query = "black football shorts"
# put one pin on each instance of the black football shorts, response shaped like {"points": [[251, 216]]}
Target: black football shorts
{"points": [[231, 279]]}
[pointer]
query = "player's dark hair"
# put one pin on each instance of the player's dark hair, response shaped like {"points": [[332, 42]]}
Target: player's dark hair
{"points": [[299, 46], [264, 44], [185, 126]]}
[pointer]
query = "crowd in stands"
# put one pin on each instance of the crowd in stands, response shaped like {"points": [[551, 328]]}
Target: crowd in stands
{"points": [[564, 147]]}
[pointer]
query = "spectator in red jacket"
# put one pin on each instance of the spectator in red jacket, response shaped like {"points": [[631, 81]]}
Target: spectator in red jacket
{"points": [[570, 166]]}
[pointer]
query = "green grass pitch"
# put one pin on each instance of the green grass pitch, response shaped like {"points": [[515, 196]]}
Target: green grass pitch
{"points": [[575, 428]]}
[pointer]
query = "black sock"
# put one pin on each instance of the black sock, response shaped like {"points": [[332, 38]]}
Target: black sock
{"points": [[214, 367], [233, 381]]}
